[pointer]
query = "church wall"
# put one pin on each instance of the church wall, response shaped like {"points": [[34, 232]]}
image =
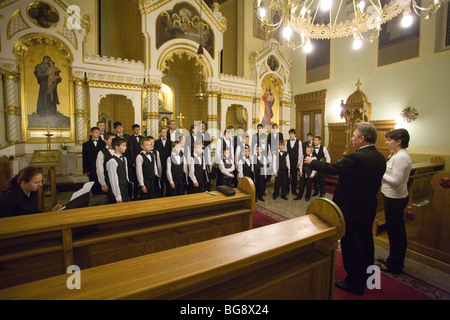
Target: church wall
{"points": [[90, 7], [419, 83]]}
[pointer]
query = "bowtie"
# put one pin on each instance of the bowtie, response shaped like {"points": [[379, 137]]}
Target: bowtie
{"points": [[94, 140], [292, 139], [150, 152]]}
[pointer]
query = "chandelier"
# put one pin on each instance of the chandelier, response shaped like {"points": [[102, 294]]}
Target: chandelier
{"points": [[303, 20]]}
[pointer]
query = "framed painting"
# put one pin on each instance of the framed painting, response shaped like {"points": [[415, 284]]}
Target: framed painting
{"points": [[46, 90]]}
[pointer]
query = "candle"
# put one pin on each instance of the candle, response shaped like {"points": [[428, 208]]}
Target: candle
{"points": [[48, 128]]}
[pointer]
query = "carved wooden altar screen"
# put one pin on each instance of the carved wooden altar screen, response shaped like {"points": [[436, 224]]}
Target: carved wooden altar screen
{"points": [[356, 109]]}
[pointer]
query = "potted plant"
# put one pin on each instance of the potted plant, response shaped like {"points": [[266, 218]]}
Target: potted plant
{"points": [[64, 148]]}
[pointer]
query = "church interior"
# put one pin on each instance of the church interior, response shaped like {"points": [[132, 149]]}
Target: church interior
{"points": [[148, 62]]}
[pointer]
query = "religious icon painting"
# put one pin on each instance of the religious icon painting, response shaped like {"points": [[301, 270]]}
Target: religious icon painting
{"points": [[273, 63], [43, 14], [46, 89]]}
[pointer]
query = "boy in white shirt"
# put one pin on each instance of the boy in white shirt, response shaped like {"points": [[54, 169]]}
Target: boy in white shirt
{"points": [[176, 171], [198, 175], [147, 169]]}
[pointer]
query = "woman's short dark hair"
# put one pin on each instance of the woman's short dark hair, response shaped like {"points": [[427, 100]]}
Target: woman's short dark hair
{"points": [[399, 134]]}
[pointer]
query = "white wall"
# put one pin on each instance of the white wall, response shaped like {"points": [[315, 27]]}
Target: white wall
{"points": [[422, 83]]}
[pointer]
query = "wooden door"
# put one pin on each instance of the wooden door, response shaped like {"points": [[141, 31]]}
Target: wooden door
{"points": [[310, 114]]}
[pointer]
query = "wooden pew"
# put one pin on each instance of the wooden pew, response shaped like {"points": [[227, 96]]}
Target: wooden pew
{"points": [[418, 187], [429, 232], [294, 259], [43, 245]]}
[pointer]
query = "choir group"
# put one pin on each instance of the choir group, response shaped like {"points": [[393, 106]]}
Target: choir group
{"points": [[133, 167]]}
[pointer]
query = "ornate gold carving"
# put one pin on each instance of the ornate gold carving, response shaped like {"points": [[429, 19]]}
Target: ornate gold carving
{"points": [[78, 81], [80, 113], [152, 115], [114, 85], [237, 97], [34, 39], [212, 118], [45, 157], [10, 75], [256, 121], [12, 111]]}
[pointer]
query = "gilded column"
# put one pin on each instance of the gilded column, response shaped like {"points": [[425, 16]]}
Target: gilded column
{"points": [[153, 111], [255, 121], [285, 115], [80, 112], [213, 117], [12, 109]]}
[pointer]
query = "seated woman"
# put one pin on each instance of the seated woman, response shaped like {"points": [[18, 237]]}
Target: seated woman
{"points": [[20, 196]]}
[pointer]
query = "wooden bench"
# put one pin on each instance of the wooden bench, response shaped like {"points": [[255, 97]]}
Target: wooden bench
{"points": [[429, 232], [43, 245], [418, 187], [294, 259]]}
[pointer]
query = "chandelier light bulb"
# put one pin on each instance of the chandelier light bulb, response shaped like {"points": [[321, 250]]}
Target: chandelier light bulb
{"points": [[325, 5], [407, 21], [362, 5], [307, 48], [287, 32], [357, 43], [303, 12], [262, 13]]}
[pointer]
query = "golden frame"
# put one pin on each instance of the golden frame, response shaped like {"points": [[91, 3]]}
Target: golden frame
{"points": [[28, 50]]}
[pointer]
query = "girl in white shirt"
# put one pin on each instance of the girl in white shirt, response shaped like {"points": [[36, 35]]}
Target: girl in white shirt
{"points": [[395, 193]]}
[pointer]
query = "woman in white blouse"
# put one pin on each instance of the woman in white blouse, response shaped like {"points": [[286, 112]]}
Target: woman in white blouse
{"points": [[395, 193]]}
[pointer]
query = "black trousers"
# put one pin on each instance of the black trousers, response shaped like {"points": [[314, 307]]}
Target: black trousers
{"points": [[395, 226], [292, 183], [319, 182], [305, 183], [152, 189], [281, 182], [358, 252]]}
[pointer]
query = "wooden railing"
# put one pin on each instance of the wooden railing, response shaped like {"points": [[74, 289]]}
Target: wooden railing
{"points": [[294, 259], [43, 245]]}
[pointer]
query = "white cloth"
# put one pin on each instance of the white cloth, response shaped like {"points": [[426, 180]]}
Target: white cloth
{"points": [[395, 180]]}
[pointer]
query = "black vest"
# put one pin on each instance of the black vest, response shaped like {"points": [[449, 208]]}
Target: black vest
{"points": [[282, 161], [148, 167], [293, 152], [121, 171], [319, 155], [177, 171], [247, 170], [198, 169]]}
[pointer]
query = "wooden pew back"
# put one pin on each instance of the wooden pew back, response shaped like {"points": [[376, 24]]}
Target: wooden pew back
{"points": [[294, 259], [418, 187], [43, 245], [430, 229]]}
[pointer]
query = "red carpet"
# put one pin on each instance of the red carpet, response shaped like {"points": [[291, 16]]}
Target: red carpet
{"points": [[391, 289], [263, 217], [402, 287]]}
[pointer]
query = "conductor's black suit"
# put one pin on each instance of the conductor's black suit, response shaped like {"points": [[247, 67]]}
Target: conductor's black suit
{"points": [[360, 174]]}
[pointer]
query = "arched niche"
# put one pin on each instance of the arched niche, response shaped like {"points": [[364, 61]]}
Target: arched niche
{"points": [[116, 107]]}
